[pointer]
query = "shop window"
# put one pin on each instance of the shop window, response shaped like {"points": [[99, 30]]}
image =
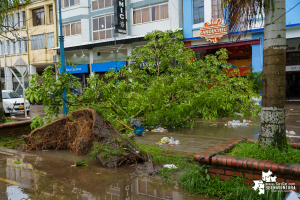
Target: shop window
{"points": [[216, 9], [38, 41], [198, 8], [73, 28], [98, 4], [67, 3], [102, 27], [293, 58], [51, 14], [38, 17], [150, 13]]}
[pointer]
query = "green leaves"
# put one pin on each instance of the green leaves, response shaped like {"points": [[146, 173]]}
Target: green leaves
{"points": [[37, 122]]}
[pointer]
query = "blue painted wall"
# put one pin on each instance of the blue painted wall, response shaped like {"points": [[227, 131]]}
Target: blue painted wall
{"points": [[257, 52], [188, 18], [292, 17]]}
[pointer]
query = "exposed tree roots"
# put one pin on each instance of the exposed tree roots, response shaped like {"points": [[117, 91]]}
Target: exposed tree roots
{"points": [[79, 131]]}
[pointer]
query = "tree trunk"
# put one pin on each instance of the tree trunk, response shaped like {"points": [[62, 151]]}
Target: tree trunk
{"points": [[2, 115], [272, 131]]}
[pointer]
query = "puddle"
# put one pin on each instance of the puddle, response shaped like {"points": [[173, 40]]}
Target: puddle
{"points": [[39, 177], [204, 135]]}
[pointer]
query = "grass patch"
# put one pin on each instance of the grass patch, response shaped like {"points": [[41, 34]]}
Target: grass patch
{"points": [[10, 120], [252, 150], [14, 145], [194, 178]]}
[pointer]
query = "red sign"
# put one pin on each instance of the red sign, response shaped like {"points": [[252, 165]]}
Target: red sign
{"points": [[214, 30]]}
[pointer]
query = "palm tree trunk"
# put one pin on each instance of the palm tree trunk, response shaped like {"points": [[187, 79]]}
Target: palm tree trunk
{"points": [[272, 132]]}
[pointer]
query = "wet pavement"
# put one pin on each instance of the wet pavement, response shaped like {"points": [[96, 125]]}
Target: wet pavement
{"points": [[40, 176]]}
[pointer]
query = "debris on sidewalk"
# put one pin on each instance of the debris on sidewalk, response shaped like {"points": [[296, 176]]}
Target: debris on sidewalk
{"points": [[160, 129], [168, 140], [235, 123]]}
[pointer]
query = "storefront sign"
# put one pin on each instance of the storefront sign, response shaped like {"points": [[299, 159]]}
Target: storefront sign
{"points": [[120, 17], [292, 68], [79, 69], [292, 45], [104, 67], [214, 30]]}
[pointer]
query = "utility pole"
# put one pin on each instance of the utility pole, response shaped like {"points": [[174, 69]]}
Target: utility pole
{"points": [[62, 58], [2, 115]]}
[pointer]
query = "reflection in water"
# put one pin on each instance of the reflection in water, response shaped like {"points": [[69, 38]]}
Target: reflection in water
{"points": [[46, 178]]}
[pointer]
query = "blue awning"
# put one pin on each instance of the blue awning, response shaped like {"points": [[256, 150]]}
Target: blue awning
{"points": [[104, 67], [80, 69]]}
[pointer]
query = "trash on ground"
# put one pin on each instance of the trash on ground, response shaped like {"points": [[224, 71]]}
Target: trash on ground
{"points": [[139, 130], [168, 140], [213, 125], [135, 123], [80, 163], [239, 114], [160, 129], [290, 132], [170, 166], [292, 195], [234, 123], [291, 109]]}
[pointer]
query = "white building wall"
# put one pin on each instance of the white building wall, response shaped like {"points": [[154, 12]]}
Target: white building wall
{"points": [[172, 23]]}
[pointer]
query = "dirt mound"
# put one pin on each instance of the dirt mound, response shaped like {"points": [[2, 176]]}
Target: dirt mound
{"points": [[82, 130]]}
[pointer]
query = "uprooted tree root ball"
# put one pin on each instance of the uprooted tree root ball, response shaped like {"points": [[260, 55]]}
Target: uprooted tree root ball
{"points": [[83, 131]]}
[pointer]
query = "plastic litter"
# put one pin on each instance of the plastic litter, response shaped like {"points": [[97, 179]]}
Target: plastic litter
{"points": [[159, 129], [170, 166], [235, 123], [168, 140], [290, 132]]}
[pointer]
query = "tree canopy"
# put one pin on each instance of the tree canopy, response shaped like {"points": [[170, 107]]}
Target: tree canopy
{"points": [[163, 85]]}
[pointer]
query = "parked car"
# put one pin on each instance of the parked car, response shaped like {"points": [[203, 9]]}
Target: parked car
{"points": [[14, 103]]}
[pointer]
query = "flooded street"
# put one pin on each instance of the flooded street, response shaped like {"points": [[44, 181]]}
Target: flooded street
{"points": [[39, 177]]}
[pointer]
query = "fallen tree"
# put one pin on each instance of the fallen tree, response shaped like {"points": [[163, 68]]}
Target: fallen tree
{"points": [[84, 131]]}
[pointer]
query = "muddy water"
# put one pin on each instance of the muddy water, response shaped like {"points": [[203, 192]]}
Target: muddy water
{"points": [[38, 177], [204, 135]]}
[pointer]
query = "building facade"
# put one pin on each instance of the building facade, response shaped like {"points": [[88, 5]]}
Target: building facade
{"points": [[32, 31], [89, 33], [247, 53]]}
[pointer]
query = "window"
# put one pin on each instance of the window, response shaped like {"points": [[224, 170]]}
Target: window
{"points": [[50, 40], [150, 13], [216, 9], [2, 48], [19, 21], [51, 14], [98, 4], [38, 17], [38, 41], [293, 58], [24, 18], [102, 27], [73, 28], [24, 45], [198, 7], [67, 3], [7, 47]]}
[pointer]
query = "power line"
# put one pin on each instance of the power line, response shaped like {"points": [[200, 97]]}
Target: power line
{"points": [[287, 12]]}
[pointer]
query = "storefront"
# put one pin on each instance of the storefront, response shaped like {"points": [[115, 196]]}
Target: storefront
{"points": [[293, 67], [81, 72]]}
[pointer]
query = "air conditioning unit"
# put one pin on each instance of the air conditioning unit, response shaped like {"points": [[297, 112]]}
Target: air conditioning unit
{"points": [[55, 58]]}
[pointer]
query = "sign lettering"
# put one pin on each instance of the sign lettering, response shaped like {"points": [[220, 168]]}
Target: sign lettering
{"points": [[120, 17], [214, 30]]}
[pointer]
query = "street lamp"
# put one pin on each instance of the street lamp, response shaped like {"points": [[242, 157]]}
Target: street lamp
{"points": [[115, 24], [62, 58]]}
